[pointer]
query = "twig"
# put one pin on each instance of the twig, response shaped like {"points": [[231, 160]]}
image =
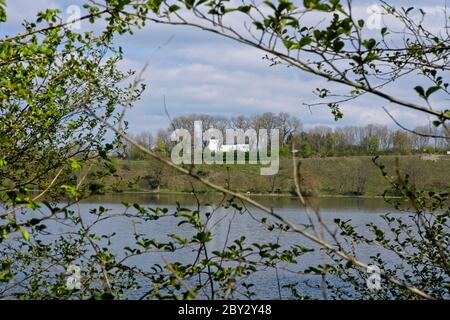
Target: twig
{"points": [[262, 207]]}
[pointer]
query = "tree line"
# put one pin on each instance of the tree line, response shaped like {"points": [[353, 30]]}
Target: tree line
{"points": [[316, 141]]}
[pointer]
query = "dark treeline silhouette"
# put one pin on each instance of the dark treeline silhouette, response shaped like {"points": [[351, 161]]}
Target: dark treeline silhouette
{"points": [[317, 141]]}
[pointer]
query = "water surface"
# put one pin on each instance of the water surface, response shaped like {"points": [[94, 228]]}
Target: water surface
{"points": [[228, 225]]}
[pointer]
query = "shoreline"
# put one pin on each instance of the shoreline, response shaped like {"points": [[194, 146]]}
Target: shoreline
{"points": [[275, 195]]}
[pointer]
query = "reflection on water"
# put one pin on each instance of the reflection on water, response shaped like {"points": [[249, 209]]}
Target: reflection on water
{"points": [[360, 210], [337, 203]]}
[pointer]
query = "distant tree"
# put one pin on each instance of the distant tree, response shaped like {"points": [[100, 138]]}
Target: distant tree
{"points": [[162, 142], [401, 142], [144, 138], [241, 122], [305, 150], [288, 126], [422, 139], [374, 145]]}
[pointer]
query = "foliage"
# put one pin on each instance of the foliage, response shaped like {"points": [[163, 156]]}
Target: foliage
{"points": [[38, 266], [321, 141], [52, 81], [59, 91], [414, 244]]}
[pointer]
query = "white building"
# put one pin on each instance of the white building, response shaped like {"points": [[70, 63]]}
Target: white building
{"points": [[214, 146]]}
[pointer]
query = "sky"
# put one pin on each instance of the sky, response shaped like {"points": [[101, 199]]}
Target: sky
{"points": [[198, 72]]}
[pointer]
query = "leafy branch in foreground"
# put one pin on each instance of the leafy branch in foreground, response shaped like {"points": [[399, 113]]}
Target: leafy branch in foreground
{"points": [[413, 242], [321, 241], [338, 49], [59, 93]]}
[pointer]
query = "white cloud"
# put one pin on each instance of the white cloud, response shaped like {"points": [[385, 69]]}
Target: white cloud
{"points": [[201, 72]]}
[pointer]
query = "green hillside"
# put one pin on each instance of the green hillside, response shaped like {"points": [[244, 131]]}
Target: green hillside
{"points": [[345, 176]]}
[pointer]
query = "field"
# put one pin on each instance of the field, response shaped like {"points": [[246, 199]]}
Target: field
{"points": [[332, 176]]}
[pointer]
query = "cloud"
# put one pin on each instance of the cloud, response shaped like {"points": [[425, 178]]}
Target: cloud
{"points": [[19, 10], [199, 72]]}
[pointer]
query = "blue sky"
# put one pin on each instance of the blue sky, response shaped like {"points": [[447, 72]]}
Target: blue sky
{"points": [[199, 72]]}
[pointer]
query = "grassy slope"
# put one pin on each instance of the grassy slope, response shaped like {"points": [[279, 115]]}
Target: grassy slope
{"points": [[330, 176]]}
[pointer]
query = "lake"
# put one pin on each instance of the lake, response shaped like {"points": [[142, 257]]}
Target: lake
{"points": [[360, 210], [227, 225]]}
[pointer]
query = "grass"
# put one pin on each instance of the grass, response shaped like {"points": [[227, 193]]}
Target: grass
{"points": [[332, 176]]}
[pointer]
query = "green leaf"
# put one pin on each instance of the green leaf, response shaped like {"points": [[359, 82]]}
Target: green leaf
{"points": [[173, 8], [244, 9], [271, 5], [317, 5], [305, 41], [431, 90], [25, 234], [3, 16], [420, 91], [338, 45], [74, 164], [189, 4], [154, 5], [369, 44]]}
